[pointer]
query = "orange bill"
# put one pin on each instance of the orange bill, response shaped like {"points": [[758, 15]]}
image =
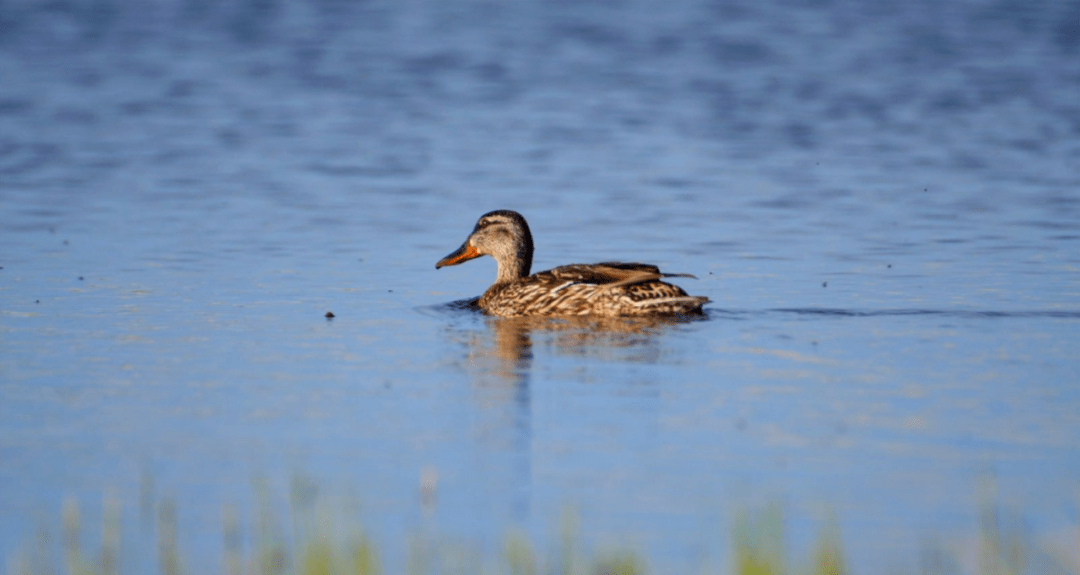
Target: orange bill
{"points": [[464, 253]]}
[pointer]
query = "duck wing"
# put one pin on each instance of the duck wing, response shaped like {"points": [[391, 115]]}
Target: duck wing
{"points": [[644, 268], [607, 274]]}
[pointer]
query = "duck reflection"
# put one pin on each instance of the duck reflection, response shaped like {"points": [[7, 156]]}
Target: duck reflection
{"points": [[631, 339], [502, 355], [499, 358]]}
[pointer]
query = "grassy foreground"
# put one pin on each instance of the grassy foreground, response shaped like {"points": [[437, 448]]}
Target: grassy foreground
{"points": [[321, 542]]}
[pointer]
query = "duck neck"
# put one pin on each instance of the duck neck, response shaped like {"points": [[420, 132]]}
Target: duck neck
{"points": [[514, 257], [511, 269]]}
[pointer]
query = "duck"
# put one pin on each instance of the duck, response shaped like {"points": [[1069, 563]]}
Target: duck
{"points": [[602, 289]]}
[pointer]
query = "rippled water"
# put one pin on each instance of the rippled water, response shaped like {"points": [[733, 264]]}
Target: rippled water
{"points": [[882, 201]]}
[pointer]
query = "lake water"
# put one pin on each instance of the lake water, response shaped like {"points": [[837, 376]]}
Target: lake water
{"points": [[881, 199]]}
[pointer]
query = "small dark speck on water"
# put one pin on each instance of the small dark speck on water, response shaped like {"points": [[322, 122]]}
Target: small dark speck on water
{"points": [[329, 315], [824, 284], [37, 301], [66, 243], [80, 278], [889, 266], [389, 291]]}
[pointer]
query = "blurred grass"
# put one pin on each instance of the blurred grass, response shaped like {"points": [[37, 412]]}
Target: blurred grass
{"points": [[324, 541]]}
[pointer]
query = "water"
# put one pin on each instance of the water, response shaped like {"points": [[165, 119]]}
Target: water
{"points": [[882, 201]]}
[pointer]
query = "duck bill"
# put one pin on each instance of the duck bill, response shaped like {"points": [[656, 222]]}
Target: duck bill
{"points": [[464, 253]]}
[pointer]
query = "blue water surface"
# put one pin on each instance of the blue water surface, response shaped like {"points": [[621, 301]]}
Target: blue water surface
{"points": [[881, 199]]}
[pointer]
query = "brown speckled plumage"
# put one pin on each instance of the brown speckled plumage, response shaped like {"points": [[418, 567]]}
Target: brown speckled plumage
{"points": [[606, 289]]}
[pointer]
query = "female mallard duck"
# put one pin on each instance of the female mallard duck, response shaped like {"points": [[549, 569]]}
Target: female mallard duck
{"points": [[608, 289]]}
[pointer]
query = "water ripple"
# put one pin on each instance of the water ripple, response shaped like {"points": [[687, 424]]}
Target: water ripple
{"points": [[837, 312]]}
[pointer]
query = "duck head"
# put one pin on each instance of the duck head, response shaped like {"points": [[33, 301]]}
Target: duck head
{"points": [[503, 235]]}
